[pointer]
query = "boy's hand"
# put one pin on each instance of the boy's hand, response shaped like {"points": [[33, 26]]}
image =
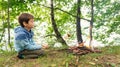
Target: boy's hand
{"points": [[45, 46]]}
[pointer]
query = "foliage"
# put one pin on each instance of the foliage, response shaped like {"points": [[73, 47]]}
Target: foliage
{"points": [[105, 16]]}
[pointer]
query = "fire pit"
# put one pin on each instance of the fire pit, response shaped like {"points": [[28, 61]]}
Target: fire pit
{"points": [[82, 50]]}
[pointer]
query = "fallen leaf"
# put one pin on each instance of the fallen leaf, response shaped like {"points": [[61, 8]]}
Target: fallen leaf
{"points": [[92, 63]]}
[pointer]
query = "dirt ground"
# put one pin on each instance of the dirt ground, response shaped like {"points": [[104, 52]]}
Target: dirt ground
{"points": [[62, 58]]}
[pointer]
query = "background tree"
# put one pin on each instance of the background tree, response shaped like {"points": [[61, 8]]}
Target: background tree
{"points": [[9, 25], [91, 22], [58, 35], [78, 23]]}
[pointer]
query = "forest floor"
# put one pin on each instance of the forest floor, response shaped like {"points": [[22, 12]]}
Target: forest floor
{"points": [[110, 57]]}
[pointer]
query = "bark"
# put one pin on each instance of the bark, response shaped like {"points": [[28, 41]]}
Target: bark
{"points": [[58, 35], [8, 20], [91, 23], [78, 23]]}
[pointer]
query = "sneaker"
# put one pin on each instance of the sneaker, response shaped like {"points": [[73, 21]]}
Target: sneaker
{"points": [[20, 56]]}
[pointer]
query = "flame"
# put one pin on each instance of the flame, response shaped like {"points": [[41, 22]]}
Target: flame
{"points": [[87, 46], [83, 45]]}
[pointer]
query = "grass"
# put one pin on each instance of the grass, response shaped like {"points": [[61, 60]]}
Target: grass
{"points": [[110, 57]]}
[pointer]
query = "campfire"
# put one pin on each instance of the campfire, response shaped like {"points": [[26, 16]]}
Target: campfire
{"points": [[81, 49]]}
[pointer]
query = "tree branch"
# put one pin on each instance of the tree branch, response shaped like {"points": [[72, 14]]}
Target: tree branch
{"points": [[50, 35], [67, 13]]}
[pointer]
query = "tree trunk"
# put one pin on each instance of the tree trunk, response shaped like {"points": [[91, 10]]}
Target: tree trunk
{"points": [[9, 25], [91, 23], [58, 35], [78, 23]]}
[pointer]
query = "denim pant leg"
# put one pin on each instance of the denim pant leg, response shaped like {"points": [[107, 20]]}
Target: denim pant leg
{"points": [[32, 53]]}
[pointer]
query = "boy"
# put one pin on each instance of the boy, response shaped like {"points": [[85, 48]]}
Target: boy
{"points": [[24, 43]]}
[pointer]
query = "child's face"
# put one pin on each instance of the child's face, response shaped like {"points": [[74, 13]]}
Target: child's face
{"points": [[30, 24]]}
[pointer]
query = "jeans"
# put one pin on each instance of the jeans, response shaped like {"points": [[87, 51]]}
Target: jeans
{"points": [[30, 53]]}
